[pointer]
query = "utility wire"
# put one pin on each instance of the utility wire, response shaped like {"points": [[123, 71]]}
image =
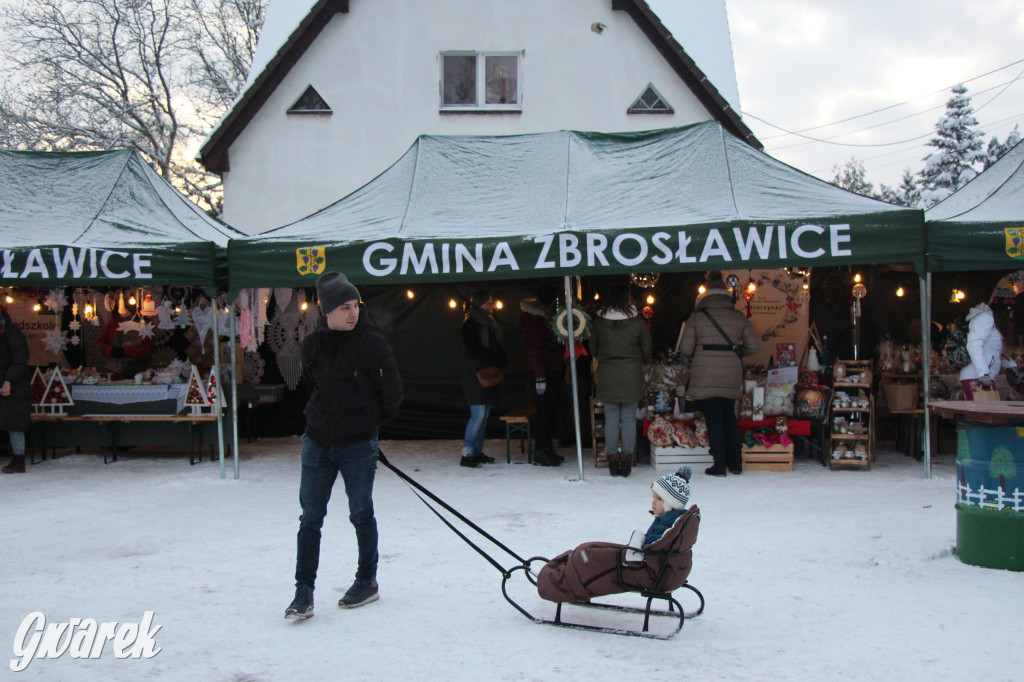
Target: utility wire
{"points": [[885, 108]]}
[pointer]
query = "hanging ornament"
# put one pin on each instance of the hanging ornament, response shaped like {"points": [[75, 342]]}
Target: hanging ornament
{"points": [[580, 323], [110, 303], [165, 315], [55, 341], [122, 309], [56, 300], [148, 307]]}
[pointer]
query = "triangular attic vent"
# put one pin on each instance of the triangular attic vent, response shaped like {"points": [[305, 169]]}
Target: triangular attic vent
{"points": [[650, 102], [310, 103]]}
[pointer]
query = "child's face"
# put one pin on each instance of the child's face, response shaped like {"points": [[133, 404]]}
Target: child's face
{"points": [[657, 504]]}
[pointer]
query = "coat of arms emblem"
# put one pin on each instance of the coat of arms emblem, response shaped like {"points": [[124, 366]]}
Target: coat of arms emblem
{"points": [[311, 260]]}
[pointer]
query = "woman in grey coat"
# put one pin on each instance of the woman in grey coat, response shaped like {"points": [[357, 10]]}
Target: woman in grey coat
{"points": [[716, 371], [621, 343]]}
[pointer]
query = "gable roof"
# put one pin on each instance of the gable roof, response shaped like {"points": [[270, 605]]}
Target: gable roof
{"points": [[214, 152], [974, 228], [64, 215], [560, 203]]}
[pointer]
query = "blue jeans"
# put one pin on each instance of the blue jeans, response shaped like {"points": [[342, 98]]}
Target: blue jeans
{"points": [[357, 464], [476, 427], [17, 442]]}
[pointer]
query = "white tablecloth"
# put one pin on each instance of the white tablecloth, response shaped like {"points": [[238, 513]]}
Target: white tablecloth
{"points": [[123, 394]]}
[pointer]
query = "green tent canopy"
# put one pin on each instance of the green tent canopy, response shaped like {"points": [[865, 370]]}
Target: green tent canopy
{"points": [[102, 218], [474, 208], [981, 225]]}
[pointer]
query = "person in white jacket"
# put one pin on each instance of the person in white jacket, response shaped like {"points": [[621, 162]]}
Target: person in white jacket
{"points": [[985, 346]]}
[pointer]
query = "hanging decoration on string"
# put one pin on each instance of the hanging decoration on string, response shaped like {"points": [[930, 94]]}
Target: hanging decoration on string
{"points": [[644, 280]]}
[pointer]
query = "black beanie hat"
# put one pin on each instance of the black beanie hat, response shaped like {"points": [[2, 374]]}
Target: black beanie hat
{"points": [[334, 289], [479, 298]]}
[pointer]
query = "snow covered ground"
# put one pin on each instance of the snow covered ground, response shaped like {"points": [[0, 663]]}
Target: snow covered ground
{"points": [[810, 575]]}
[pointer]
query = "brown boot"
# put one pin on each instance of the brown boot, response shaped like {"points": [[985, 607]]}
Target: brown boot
{"points": [[17, 465]]}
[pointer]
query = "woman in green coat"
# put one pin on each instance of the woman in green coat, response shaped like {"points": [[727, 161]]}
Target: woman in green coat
{"points": [[621, 344]]}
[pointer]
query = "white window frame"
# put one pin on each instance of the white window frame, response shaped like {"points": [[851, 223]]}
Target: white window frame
{"points": [[481, 82]]}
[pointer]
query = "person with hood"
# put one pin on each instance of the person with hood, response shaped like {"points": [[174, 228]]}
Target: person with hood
{"points": [[544, 360], [716, 336], [621, 344], [481, 339], [15, 392], [985, 347], [355, 387]]}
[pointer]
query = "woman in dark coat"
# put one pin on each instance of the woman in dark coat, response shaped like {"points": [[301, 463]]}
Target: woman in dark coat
{"points": [[481, 339], [621, 344], [15, 392]]}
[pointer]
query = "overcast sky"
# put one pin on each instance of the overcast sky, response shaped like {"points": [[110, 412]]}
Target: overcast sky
{"points": [[806, 63]]}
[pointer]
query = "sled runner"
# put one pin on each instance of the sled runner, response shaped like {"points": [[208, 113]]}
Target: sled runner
{"points": [[597, 569]]}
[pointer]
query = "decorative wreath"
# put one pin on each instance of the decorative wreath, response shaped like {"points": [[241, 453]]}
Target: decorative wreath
{"points": [[580, 323]]}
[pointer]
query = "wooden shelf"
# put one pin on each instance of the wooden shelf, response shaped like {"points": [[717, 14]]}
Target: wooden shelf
{"points": [[862, 415]]}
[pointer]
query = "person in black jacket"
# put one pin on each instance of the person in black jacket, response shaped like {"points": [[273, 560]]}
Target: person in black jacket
{"points": [[15, 391], [355, 386], [481, 338]]}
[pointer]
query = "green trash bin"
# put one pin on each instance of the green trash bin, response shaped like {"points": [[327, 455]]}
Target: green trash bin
{"points": [[990, 496]]}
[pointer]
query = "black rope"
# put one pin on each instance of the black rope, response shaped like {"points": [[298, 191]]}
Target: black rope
{"points": [[417, 487]]}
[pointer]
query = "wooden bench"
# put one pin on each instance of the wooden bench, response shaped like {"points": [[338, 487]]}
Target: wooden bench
{"points": [[109, 435], [517, 425]]}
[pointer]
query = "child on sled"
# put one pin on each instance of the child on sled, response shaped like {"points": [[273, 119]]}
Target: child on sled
{"points": [[594, 569]]}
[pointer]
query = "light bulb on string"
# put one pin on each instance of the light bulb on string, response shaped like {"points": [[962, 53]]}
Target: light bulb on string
{"points": [[410, 294], [452, 304], [856, 278], [498, 304], [304, 306], [650, 299], [900, 292], [701, 289]]}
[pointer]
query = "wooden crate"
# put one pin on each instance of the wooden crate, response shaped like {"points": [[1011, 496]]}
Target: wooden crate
{"points": [[775, 458], [670, 459]]}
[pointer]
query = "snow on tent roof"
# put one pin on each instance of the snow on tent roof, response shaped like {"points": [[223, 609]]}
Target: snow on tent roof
{"points": [[507, 207], [981, 225], [101, 218]]}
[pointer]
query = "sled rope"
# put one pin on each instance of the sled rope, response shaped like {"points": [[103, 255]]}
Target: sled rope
{"points": [[417, 488]]}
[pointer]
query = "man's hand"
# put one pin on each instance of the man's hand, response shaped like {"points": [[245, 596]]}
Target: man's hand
{"points": [[541, 385], [5, 390]]}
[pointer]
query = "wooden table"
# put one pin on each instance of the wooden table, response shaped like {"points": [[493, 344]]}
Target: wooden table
{"points": [[108, 425]]}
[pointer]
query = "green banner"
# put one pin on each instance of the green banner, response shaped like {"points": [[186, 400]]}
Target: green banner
{"points": [[890, 237]]}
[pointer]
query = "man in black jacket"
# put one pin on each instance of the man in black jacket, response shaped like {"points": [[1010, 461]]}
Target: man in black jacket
{"points": [[355, 386]]}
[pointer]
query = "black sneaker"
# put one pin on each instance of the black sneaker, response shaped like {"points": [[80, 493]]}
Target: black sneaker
{"points": [[470, 462], [613, 467], [363, 591], [546, 459], [302, 605], [735, 472], [712, 471], [483, 459]]}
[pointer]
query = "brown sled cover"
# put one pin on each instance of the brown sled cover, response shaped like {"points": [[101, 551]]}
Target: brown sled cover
{"points": [[591, 570]]}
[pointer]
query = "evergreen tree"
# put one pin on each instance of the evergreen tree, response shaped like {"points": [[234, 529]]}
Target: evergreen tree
{"points": [[853, 177], [996, 149], [959, 150]]}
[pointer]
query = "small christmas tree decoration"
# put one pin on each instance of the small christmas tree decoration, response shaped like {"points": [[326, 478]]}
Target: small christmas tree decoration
{"points": [[196, 398], [38, 390], [213, 393], [56, 398]]}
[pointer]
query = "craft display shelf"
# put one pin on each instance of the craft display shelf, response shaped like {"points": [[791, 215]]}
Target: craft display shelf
{"points": [[856, 379], [597, 432]]}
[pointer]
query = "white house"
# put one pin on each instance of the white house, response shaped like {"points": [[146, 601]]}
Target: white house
{"points": [[339, 89]]}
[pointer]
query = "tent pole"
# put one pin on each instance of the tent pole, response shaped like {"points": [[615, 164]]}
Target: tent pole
{"points": [[234, 393], [216, 396], [572, 372], [926, 367]]}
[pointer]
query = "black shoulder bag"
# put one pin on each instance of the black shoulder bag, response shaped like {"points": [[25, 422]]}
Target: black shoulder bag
{"points": [[720, 346]]}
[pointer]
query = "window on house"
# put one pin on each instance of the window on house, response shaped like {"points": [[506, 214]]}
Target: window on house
{"points": [[480, 81], [650, 101], [310, 103]]}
